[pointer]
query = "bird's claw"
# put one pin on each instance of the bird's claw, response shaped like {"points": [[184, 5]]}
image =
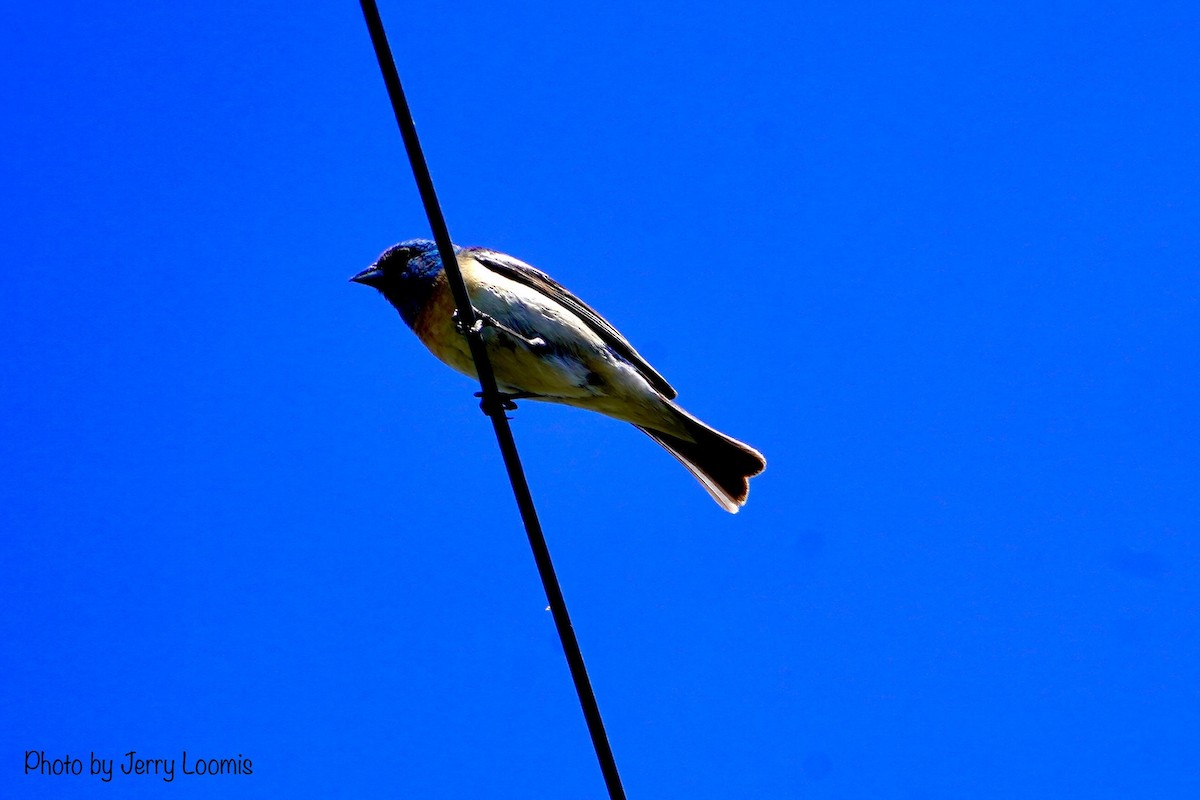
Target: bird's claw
{"points": [[499, 402]]}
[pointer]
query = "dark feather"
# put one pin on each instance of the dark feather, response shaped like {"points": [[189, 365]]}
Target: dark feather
{"points": [[539, 281], [723, 465]]}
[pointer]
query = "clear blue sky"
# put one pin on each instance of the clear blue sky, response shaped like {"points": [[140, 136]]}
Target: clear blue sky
{"points": [[940, 263]]}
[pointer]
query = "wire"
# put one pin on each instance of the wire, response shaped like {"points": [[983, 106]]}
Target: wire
{"points": [[492, 405]]}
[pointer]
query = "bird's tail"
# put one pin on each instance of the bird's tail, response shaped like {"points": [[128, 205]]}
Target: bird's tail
{"points": [[722, 464]]}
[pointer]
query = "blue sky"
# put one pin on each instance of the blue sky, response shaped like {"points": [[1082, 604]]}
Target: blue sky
{"points": [[937, 262]]}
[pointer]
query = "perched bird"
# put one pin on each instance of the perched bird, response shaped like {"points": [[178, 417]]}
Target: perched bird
{"points": [[547, 344]]}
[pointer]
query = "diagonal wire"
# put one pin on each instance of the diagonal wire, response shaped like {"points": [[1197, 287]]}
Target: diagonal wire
{"points": [[492, 406]]}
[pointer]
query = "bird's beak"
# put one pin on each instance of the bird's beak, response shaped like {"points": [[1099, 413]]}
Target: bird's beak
{"points": [[371, 276]]}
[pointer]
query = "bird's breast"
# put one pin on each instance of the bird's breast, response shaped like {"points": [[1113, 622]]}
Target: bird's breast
{"points": [[435, 327]]}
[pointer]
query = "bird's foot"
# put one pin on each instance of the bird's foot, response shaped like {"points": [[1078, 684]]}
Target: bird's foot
{"points": [[501, 401]]}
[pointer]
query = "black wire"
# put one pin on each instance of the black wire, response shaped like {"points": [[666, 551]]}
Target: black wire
{"points": [[492, 406]]}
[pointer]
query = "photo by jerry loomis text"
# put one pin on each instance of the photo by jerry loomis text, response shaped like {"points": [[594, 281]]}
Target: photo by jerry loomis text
{"points": [[36, 763]]}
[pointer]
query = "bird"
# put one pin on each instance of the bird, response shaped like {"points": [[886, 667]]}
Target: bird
{"points": [[546, 344]]}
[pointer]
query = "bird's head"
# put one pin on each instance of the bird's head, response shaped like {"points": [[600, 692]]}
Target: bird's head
{"points": [[405, 274]]}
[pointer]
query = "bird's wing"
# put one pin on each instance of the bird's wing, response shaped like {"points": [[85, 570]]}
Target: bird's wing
{"points": [[539, 281]]}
